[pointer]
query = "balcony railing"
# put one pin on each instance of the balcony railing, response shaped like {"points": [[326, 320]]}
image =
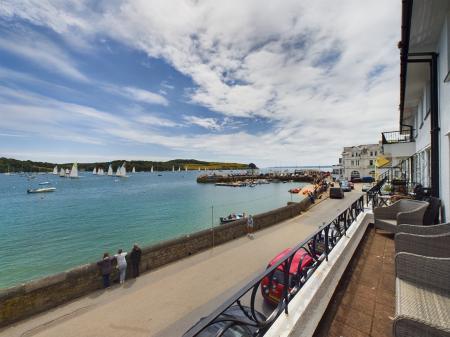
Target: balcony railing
{"points": [[394, 137], [318, 246]]}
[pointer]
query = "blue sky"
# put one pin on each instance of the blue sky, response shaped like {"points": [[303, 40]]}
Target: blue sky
{"points": [[274, 84]]}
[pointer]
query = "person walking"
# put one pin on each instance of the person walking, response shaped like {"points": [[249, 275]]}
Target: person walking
{"points": [[105, 266], [121, 264], [135, 257], [250, 227]]}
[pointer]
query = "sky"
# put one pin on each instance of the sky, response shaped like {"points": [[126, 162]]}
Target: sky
{"points": [[276, 83]]}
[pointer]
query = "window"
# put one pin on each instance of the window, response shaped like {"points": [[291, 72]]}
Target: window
{"points": [[353, 163], [355, 174], [375, 153], [370, 162], [371, 153]]}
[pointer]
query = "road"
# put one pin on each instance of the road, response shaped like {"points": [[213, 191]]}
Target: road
{"points": [[167, 301]]}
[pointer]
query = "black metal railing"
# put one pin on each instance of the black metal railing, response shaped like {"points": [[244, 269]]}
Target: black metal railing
{"points": [[394, 137], [318, 246]]}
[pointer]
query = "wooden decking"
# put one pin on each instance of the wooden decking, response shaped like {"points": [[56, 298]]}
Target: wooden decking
{"points": [[363, 304]]}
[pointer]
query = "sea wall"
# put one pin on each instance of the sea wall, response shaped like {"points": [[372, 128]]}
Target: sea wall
{"points": [[22, 301]]}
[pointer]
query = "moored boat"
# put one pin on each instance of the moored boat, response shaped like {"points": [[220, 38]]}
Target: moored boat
{"points": [[231, 218], [41, 190]]}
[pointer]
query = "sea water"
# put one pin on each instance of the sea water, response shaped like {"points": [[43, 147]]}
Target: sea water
{"points": [[45, 233]]}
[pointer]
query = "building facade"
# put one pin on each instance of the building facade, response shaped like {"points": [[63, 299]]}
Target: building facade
{"points": [[424, 135], [359, 161]]}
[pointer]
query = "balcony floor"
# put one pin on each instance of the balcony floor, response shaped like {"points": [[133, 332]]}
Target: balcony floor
{"points": [[363, 303]]}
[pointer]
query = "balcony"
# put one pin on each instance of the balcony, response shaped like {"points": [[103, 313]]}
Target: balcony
{"points": [[394, 137], [398, 144]]}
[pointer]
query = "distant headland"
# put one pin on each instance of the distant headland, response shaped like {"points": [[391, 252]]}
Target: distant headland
{"points": [[15, 165]]}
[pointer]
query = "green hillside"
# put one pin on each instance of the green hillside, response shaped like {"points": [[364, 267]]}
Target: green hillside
{"points": [[14, 165]]}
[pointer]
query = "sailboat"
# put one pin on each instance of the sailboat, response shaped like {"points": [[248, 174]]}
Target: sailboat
{"points": [[134, 170], [100, 172], [179, 169], [110, 170], [185, 169], [173, 168], [151, 170], [94, 171], [62, 173], [55, 170], [122, 171], [74, 171]]}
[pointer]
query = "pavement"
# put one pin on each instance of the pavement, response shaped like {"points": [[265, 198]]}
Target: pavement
{"points": [[168, 301]]}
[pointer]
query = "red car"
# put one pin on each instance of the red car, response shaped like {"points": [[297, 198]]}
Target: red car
{"points": [[272, 288]]}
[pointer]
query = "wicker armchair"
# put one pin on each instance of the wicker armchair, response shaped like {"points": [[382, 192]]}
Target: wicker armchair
{"points": [[404, 211], [425, 230], [425, 245], [422, 296]]}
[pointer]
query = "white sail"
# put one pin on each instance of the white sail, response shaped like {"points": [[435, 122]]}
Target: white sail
{"points": [[110, 170], [74, 171], [134, 170], [151, 170], [185, 169], [179, 169], [118, 172], [94, 171], [173, 168], [62, 172], [100, 172], [55, 170], [123, 170]]}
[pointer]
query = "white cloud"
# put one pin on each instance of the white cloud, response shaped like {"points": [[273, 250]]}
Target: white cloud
{"points": [[43, 53], [136, 94], [207, 123], [301, 65], [156, 121]]}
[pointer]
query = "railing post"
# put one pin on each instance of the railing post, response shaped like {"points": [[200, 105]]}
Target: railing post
{"points": [[326, 241]]}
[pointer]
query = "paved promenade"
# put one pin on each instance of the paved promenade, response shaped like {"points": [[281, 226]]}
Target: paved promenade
{"points": [[167, 301]]}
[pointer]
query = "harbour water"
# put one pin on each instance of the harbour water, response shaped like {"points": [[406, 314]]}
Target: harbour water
{"points": [[42, 234]]}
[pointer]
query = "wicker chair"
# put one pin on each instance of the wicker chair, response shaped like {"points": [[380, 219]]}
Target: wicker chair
{"points": [[425, 245], [404, 211], [422, 296], [424, 230]]}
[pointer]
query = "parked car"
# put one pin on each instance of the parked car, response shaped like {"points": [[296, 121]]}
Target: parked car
{"points": [[272, 287], [336, 193], [366, 187], [345, 186], [227, 321]]}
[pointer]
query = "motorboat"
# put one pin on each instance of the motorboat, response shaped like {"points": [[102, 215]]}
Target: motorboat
{"points": [[295, 190], [231, 218], [41, 190]]}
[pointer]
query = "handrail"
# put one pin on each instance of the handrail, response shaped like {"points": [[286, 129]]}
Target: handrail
{"points": [[318, 245], [394, 137]]}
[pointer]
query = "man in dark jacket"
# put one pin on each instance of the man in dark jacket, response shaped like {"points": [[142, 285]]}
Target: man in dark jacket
{"points": [[105, 266], [135, 257]]}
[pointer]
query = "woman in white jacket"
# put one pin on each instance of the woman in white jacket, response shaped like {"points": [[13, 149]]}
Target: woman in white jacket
{"points": [[121, 264]]}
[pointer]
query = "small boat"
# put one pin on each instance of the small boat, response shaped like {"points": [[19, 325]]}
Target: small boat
{"points": [[100, 172], [133, 170], [110, 170], [122, 171], [45, 183], [94, 171], [41, 190], [295, 190], [62, 173], [151, 170], [74, 171], [231, 218], [55, 170]]}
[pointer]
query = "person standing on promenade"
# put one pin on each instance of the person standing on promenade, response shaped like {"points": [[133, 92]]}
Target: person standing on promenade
{"points": [[121, 264], [106, 268], [250, 227], [135, 257]]}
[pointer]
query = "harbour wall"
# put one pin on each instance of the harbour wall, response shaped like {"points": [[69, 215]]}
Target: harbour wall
{"points": [[36, 296]]}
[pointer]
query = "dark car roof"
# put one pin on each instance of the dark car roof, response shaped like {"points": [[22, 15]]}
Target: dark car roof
{"points": [[227, 321]]}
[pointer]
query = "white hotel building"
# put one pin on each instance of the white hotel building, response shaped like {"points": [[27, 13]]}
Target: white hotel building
{"points": [[359, 161]]}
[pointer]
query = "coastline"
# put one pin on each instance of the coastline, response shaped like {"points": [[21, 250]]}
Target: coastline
{"points": [[24, 300]]}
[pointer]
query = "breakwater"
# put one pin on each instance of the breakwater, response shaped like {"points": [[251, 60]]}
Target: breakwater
{"points": [[214, 179], [22, 301]]}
